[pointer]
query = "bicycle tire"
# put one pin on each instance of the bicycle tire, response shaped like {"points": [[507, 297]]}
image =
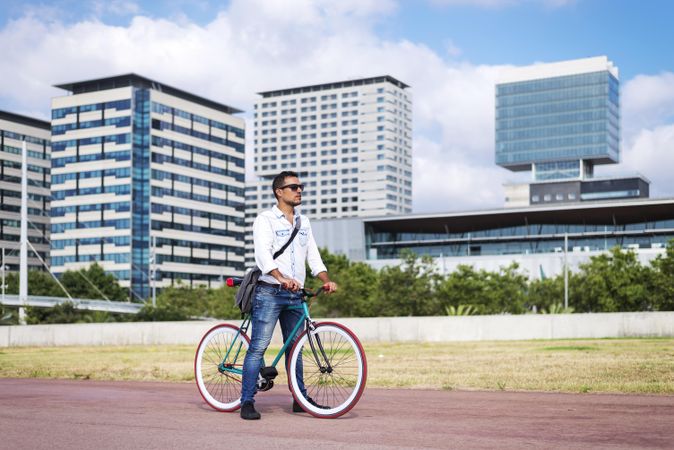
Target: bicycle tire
{"points": [[220, 390], [339, 390]]}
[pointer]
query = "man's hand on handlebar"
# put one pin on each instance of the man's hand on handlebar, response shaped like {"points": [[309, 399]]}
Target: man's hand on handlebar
{"points": [[289, 283], [329, 287]]}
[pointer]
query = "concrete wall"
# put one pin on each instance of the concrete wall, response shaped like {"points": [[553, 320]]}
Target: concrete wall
{"points": [[389, 329]]}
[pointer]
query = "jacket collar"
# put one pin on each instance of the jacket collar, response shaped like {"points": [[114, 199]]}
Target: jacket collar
{"points": [[279, 214]]}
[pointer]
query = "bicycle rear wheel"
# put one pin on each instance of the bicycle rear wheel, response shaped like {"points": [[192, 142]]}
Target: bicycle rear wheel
{"points": [[217, 365], [333, 378]]}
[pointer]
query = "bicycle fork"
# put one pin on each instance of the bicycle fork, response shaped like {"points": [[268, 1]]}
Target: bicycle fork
{"points": [[311, 337]]}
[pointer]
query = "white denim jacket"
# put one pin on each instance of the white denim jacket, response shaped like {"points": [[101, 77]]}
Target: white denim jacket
{"points": [[271, 231]]}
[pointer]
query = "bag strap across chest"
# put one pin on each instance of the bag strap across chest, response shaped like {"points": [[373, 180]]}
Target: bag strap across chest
{"points": [[298, 224]]}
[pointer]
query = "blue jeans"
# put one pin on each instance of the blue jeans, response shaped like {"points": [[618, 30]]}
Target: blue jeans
{"points": [[269, 305]]}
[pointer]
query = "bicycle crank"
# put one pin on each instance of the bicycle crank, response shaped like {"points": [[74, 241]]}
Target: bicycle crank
{"points": [[265, 379]]}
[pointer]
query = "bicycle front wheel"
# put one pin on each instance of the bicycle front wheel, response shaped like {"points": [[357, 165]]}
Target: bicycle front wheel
{"points": [[218, 364], [332, 373]]}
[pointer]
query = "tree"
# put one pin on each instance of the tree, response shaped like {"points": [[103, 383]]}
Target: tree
{"points": [[181, 302], [79, 284], [662, 286], [612, 282], [84, 283], [409, 288], [506, 290], [542, 294], [464, 286], [93, 283], [356, 295], [176, 303], [39, 283], [488, 292], [220, 303]]}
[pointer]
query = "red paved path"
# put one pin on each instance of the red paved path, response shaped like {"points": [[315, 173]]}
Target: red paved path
{"points": [[58, 414]]}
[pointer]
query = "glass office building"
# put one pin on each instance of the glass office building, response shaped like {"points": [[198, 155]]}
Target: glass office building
{"points": [[148, 181], [532, 236], [558, 120], [629, 225]]}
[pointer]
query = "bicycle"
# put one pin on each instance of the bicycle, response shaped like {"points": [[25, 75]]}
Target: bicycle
{"points": [[333, 360]]}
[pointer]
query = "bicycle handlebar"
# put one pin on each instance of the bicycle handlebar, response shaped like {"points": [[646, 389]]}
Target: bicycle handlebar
{"points": [[233, 282]]}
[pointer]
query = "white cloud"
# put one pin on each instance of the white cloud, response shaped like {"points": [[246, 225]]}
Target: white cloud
{"points": [[651, 153], [647, 101], [648, 131], [445, 181], [258, 45]]}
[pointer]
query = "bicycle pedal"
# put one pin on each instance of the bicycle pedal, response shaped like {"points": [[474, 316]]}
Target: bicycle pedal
{"points": [[268, 373], [264, 385]]}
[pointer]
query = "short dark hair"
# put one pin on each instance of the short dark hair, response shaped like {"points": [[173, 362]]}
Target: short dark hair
{"points": [[280, 179]]}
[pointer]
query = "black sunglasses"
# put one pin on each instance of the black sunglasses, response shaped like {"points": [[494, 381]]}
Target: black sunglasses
{"points": [[293, 187]]}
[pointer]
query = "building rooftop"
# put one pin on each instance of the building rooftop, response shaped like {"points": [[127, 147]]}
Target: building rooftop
{"points": [[558, 69], [25, 120], [596, 213], [131, 79], [334, 85]]}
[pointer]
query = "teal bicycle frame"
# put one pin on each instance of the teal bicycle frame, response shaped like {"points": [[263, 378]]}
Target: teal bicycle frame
{"points": [[306, 318]]}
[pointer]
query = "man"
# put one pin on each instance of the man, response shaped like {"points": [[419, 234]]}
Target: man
{"points": [[282, 278]]}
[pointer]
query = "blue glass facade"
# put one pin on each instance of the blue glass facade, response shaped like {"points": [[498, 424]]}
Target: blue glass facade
{"points": [[628, 225], [554, 123], [140, 194]]}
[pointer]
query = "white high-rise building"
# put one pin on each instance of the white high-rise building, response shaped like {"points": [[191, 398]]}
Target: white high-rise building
{"points": [[350, 142], [14, 130], [145, 178]]}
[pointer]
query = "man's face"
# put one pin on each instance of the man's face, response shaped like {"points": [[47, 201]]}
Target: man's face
{"points": [[291, 192]]}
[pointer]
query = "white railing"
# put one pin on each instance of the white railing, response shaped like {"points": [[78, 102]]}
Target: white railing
{"points": [[79, 303]]}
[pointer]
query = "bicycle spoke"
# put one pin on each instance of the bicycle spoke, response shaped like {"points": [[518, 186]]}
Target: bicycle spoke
{"points": [[339, 387], [223, 344]]}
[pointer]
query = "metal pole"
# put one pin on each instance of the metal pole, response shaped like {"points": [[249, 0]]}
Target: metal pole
{"points": [[23, 258], [3, 274], [566, 271], [153, 260]]}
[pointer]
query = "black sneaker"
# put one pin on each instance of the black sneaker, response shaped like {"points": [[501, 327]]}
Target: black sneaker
{"points": [[298, 409], [248, 411]]}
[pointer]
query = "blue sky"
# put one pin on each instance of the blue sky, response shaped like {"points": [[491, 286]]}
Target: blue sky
{"points": [[637, 35], [449, 51]]}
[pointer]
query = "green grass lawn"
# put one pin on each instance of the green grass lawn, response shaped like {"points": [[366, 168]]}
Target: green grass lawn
{"points": [[589, 365]]}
